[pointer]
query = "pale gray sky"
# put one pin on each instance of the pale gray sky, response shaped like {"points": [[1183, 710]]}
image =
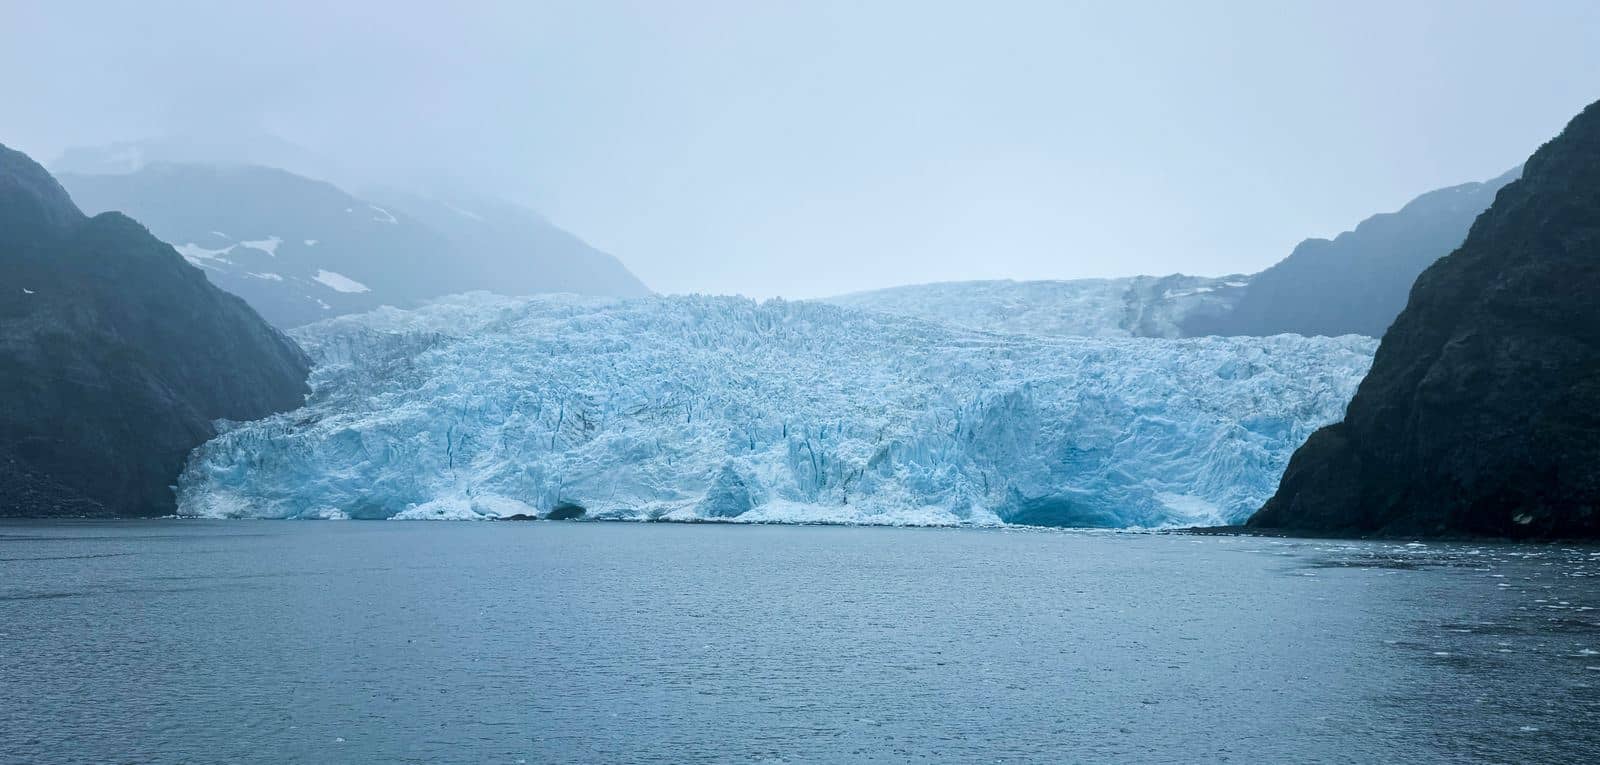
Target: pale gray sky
{"points": [[812, 148]]}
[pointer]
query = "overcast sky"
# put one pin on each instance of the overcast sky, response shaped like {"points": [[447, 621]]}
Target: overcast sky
{"points": [[812, 148]]}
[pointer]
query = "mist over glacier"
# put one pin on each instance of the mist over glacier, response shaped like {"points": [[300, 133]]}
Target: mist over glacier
{"points": [[701, 408]]}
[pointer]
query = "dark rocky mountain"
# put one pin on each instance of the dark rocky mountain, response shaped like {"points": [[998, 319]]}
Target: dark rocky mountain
{"points": [[115, 357], [1481, 414], [1357, 282]]}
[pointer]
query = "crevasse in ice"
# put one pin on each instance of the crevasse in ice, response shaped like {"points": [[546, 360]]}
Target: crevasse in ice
{"points": [[685, 408]]}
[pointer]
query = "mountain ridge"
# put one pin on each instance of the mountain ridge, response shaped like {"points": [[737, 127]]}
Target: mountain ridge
{"points": [[1356, 282], [301, 250]]}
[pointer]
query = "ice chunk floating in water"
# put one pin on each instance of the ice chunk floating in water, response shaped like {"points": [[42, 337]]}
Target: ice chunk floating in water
{"points": [[724, 408]]}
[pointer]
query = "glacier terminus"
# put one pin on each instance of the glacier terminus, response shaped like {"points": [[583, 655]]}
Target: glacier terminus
{"points": [[722, 408]]}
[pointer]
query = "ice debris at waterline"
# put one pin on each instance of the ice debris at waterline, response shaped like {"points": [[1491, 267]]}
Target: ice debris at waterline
{"points": [[684, 408]]}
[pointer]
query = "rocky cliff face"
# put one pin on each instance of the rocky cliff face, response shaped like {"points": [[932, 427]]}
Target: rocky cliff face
{"points": [[1357, 282], [115, 357], [1481, 414]]}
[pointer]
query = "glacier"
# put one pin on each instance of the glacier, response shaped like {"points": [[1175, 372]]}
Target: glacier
{"points": [[722, 408], [1132, 306]]}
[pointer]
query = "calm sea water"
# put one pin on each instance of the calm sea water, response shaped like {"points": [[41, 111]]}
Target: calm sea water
{"points": [[194, 641]]}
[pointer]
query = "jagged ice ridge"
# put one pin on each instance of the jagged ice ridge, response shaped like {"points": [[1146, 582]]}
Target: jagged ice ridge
{"points": [[1133, 306]]}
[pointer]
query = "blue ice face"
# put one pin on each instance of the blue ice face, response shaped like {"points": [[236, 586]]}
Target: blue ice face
{"points": [[724, 408]]}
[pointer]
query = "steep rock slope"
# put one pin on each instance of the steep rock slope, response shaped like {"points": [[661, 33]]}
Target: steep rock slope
{"points": [[723, 408], [115, 357], [1135, 306], [1481, 414], [300, 250], [1357, 282]]}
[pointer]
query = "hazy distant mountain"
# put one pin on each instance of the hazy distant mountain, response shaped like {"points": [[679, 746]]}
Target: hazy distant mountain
{"points": [[115, 357], [1482, 408], [1356, 283], [249, 148], [1135, 306], [514, 250], [300, 250]]}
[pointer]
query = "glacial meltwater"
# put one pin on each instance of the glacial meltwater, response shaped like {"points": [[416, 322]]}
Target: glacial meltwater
{"points": [[331, 642]]}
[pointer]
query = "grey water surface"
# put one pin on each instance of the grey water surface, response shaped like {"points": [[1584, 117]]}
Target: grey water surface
{"points": [[329, 642]]}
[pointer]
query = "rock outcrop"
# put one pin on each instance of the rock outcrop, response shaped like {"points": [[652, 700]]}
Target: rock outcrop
{"points": [[116, 356], [1481, 414]]}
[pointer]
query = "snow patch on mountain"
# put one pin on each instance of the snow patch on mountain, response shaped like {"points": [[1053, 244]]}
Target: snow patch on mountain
{"points": [[204, 257], [714, 408], [464, 213], [268, 245], [339, 282]]}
